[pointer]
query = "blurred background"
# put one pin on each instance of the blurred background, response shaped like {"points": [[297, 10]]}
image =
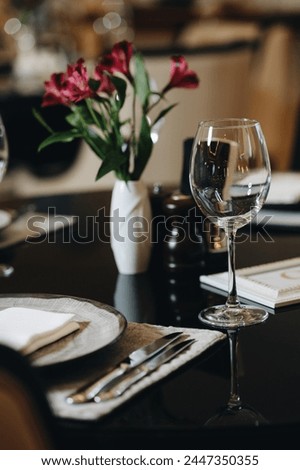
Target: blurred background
{"points": [[246, 53]]}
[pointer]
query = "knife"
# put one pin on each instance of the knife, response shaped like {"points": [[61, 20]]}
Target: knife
{"points": [[88, 392], [122, 384]]}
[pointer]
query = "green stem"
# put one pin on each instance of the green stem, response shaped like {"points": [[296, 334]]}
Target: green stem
{"points": [[92, 113], [133, 137], [85, 134], [155, 103]]}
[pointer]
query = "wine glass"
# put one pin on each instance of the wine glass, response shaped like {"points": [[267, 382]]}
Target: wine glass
{"points": [[230, 176], [3, 150], [5, 270]]}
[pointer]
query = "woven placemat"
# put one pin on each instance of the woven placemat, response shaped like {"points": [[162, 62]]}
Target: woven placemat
{"points": [[135, 336]]}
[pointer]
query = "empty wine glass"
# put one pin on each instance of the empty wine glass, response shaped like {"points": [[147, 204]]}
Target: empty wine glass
{"points": [[230, 177], [5, 270]]}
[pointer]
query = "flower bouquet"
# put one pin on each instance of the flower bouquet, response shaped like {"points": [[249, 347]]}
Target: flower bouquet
{"points": [[98, 104]]}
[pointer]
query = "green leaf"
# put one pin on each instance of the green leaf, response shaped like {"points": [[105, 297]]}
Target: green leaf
{"points": [[94, 84], [84, 116], [145, 146], [80, 117], [77, 119], [63, 137], [106, 167], [110, 163], [41, 120], [141, 78], [104, 148], [163, 113], [121, 86]]}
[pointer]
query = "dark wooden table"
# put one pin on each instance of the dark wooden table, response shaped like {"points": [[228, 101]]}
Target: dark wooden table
{"points": [[171, 414]]}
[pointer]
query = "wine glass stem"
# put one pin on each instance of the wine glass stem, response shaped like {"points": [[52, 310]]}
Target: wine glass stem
{"points": [[232, 299], [234, 398]]}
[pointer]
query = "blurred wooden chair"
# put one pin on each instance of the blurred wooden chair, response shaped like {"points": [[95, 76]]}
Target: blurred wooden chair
{"points": [[274, 95], [26, 422]]}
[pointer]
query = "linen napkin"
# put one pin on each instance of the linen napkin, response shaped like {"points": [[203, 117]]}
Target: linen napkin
{"points": [[27, 330], [135, 336]]}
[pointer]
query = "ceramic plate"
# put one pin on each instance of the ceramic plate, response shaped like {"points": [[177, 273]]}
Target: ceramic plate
{"points": [[100, 325]]}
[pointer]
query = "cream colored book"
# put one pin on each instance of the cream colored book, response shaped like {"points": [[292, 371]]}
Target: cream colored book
{"points": [[274, 284]]}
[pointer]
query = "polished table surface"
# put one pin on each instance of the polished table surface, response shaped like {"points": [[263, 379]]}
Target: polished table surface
{"points": [[170, 414]]}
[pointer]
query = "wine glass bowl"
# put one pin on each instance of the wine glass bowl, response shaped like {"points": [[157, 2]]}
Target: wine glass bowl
{"points": [[230, 176], [5, 269], [3, 150]]}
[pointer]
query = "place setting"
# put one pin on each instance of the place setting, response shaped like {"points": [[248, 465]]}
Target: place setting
{"points": [[56, 331]]}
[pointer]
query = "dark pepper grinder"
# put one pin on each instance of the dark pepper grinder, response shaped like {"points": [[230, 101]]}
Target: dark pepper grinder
{"points": [[183, 245]]}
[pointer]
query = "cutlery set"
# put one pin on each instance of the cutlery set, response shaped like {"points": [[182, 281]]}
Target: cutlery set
{"points": [[133, 368]]}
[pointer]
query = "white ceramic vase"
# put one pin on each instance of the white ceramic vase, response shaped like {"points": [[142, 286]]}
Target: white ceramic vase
{"points": [[130, 226]]}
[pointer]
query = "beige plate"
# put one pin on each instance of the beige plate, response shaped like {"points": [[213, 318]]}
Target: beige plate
{"points": [[100, 325]]}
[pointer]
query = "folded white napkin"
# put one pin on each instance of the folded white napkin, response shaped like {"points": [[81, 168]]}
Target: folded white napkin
{"points": [[27, 330]]}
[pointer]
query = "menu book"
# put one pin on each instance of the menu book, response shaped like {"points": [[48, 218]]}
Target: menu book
{"points": [[274, 284]]}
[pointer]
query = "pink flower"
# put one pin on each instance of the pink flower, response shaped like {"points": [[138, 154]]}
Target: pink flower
{"points": [[77, 83], [67, 88], [54, 90], [105, 84], [181, 76], [119, 59]]}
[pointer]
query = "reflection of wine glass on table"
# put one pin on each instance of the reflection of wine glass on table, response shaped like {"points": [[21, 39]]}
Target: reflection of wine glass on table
{"points": [[230, 177], [5, 270], [235, 412]]}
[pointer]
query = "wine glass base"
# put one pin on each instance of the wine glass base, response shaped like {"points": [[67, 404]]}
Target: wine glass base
{"points": [[224, 317], [242, 415]]}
